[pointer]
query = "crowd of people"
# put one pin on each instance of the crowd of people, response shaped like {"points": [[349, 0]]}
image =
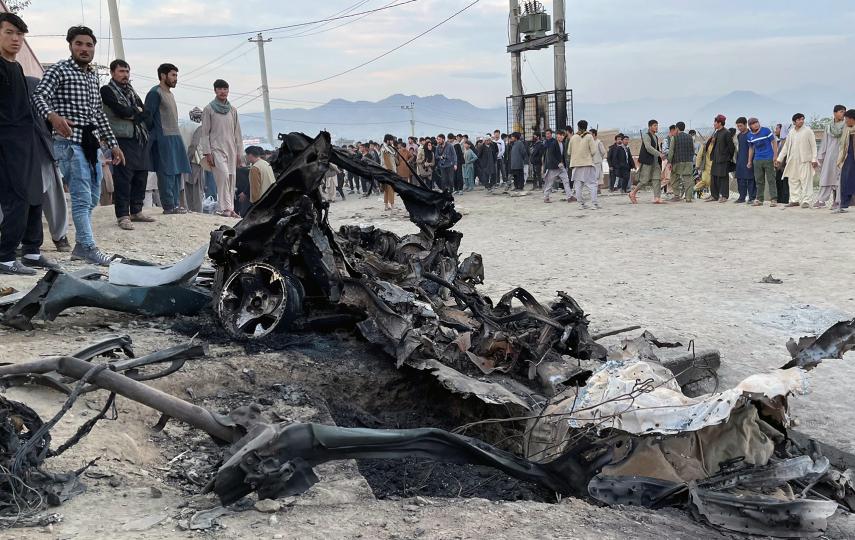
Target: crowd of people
{"points": [[67, 131], [777, 165]]}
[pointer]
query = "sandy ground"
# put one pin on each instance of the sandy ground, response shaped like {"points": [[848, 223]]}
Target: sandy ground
{"points": [[690, 272]]}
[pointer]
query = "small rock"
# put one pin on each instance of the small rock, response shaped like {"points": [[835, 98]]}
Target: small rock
{"points": [[411, 508], [155, 493], [273, 520], [114, 482], [411, 519], [268, 506]]}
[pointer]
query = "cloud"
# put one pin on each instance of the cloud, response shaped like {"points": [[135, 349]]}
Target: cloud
{"points": [[482, 75]]}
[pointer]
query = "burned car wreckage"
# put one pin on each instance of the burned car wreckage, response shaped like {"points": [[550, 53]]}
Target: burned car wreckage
{"points": [[636, 424]]}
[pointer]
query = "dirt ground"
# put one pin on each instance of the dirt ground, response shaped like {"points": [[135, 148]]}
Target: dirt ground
{"points": [[685, 272]]}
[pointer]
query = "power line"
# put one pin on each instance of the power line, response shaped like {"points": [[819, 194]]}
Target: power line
{"points": [[387, 53], [315, 32], [249, 32], [285, 35], [206, 64]]}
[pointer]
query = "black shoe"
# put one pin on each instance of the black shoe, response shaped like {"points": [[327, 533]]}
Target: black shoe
{"points": [[62, 245], [41, 262], [92, 255], [16, 269]]}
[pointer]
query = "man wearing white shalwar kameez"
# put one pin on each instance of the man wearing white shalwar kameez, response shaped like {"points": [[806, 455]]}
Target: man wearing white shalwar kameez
{"points": [[829, 174], [221, 144], [800, 152]]}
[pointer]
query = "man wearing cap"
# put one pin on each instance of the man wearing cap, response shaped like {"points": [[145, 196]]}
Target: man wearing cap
{"points": [[220, 144], [722, 158], [762, 153], [799, 150]]}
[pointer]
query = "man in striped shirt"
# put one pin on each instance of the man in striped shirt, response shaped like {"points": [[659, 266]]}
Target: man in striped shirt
{"points": [[69, 97]]}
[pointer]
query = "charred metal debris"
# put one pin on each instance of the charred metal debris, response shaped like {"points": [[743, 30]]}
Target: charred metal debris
{"points": [[644, 423]]}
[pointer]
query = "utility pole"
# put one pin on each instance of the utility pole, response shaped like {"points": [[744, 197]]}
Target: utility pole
{"points": [[560, 66], [265, 89], [516, 68], [412, 108], [116, 29]]}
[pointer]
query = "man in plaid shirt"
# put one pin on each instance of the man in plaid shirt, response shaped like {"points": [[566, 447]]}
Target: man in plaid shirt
{"points": [[69, 97]]}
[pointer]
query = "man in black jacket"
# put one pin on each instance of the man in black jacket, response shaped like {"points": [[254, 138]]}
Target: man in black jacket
{"points": [[127, 117], [610, 159], [555, 163], [458, 174], [487, 162], [722, 157], [536, 162], [622, 163]]}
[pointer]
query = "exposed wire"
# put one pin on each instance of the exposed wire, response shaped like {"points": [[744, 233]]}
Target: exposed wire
{"points": [[247, 32], [387, 53]]}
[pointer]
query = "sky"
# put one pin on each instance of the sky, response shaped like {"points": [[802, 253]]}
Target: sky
{"points": [[618, 50]]}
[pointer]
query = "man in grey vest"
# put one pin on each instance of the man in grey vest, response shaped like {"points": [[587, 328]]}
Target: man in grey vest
{"points": [[125, 112], [650, 164]]}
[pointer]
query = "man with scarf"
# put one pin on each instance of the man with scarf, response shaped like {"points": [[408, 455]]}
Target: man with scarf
{"points": [[124, 110], [829, 174], [221, 144]]}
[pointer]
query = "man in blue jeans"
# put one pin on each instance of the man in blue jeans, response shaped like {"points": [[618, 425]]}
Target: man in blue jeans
{"points": [[69, 97]]}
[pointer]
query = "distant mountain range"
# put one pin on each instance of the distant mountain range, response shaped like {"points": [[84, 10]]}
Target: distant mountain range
{"points": [[363, 120]]}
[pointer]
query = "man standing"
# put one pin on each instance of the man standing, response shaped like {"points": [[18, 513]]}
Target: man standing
{"points": [[54, 207], [458, 172], [389, 161], [581, 153], [681, 156], [554, 161], [650, 168], [744, 175], [501, 172], [68, 97], [846, 161], [20, 175], [446, 162], [611, 160], [762, 153], [829, 175], [220, 144], [487, 162], [261, 175], [535, 170], [781, 183], [124, 110], [599, 156], [519, 158], [624, 164], [168, 155], [800, 152], [722, 157]]}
